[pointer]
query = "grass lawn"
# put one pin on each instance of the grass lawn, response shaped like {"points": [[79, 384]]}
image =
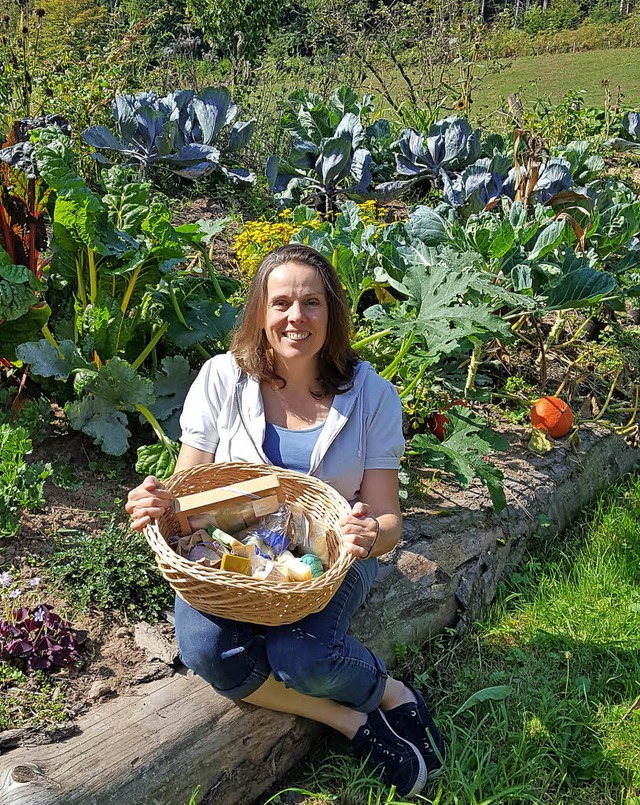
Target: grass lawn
{"points": [[558, 664], [558, 73]]}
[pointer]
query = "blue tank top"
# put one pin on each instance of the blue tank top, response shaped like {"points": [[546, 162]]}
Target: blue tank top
{"points": [[290, 448]]}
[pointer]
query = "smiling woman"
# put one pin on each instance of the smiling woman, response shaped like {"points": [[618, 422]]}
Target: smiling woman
{"points": [[293, 392]]}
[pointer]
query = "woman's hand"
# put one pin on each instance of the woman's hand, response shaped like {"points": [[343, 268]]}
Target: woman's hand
{"points": [[360, 531], [147, 502]]}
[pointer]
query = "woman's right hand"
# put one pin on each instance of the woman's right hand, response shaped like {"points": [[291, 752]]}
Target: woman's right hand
{"points": [[147, 502]]}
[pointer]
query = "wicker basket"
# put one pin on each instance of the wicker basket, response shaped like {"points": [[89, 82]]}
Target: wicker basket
{"points": [[239, 597]]}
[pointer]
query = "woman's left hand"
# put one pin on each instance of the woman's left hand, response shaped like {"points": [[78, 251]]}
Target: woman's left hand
{"points": [[360, 531]]}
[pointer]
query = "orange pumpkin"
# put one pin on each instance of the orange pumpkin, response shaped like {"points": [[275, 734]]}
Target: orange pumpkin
{"points": [[552, 415]]}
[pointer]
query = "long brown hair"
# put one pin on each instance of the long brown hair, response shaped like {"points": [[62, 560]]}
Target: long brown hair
{"points": [[249, 345]]}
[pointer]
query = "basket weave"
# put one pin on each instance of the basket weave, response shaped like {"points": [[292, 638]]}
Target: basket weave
{"points": [[239, 597]]}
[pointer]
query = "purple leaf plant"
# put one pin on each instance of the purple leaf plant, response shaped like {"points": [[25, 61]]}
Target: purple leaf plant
{"points": [[38, 638]]}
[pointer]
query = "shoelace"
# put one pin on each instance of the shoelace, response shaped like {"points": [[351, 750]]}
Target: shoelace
{"points": [[397, 758]]}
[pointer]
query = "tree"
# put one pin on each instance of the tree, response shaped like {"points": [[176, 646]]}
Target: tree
{"points": [[237, 28]]}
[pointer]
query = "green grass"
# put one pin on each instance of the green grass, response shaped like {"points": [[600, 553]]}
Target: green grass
{"points": [[562, 646], [558, 73], [29, 701]]}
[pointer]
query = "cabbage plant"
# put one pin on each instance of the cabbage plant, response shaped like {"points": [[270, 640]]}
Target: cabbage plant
{"points": [[631, 127], [332, 152], [480, 185], [186, 132], [450, 145]]}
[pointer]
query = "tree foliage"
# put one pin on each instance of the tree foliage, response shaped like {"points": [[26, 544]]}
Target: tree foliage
{"points": [[238, 28]]}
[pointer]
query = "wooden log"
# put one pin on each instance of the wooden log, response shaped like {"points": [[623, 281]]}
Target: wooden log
{"points": [[154, 746]]}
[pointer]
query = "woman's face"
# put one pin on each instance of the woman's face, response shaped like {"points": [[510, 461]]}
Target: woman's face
{"points": [[297, 315]]}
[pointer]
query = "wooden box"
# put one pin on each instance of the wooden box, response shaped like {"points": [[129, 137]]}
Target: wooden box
{"points": [[229, 506]]}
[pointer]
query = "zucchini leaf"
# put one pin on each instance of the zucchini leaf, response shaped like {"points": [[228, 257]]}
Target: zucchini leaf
{"points": [[462, 452]]}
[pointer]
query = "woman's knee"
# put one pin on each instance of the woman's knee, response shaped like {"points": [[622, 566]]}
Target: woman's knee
{"points": [[303, 662], [226, 654]]}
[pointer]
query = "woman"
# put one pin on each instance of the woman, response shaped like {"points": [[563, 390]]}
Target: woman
{"points": [[292, 392]]}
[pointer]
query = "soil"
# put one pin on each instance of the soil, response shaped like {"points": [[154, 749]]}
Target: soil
{"points": [[110, 653]]}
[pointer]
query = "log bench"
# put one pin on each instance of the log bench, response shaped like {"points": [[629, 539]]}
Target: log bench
{"points": [[153, 747]]}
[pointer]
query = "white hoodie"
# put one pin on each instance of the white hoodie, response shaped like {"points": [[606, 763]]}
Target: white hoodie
{"points": [[223, 414]]}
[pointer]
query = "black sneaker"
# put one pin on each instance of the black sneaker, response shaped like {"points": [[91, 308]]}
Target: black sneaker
{"points": [[414, 723], [400, 761]]}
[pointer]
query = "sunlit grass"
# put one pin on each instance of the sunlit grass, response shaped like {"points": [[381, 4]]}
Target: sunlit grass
{"points": [[555, 74], [564, 636]]}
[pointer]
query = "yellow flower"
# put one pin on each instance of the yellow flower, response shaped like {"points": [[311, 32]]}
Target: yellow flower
{"points": [[461, 105], [257, 239]]}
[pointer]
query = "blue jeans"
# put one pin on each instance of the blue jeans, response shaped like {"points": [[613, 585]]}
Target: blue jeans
{"points": [[314, 656]]}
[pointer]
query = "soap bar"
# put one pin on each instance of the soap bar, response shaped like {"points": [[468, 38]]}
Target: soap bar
{"points": [[296, 569], [230, 507], [236, 564], [314, 563]]}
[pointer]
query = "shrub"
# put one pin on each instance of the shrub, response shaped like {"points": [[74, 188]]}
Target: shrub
{"points": [[111, 570]]}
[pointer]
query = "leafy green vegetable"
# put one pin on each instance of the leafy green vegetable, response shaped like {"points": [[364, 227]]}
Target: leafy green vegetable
{"points": [[462, 452], [155, 459], [21, 484]]}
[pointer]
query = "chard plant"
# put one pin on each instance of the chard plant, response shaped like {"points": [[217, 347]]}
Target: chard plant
{"points": [[109, 253], [192, 134], [23, 237]]}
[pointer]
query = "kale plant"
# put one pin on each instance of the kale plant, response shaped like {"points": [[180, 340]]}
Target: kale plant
{"points": [[186, 132]]}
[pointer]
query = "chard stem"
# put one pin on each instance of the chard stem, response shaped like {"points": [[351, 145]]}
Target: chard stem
{"points": [[46, 332], [212, 277], [80, 274], [202, 351], [176, 307], [162, 436], [93, 276], [154, 340], [129, 292]]}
